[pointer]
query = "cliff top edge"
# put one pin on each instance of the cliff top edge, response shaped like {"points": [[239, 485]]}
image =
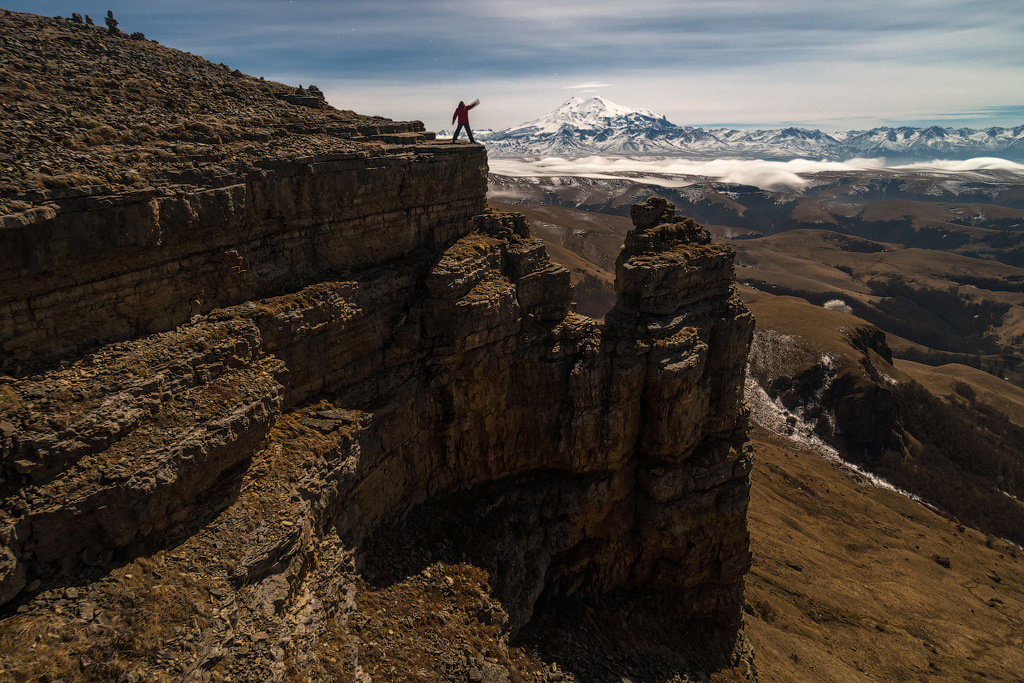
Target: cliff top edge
{"points": [[89, 109]]}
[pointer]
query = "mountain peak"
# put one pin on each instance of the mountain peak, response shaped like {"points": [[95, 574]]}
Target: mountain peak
{"points": [[587, 113], [582, 126], [597, 107]]}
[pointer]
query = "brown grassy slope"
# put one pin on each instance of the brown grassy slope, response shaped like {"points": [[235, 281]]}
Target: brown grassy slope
{"points": [[970, 227], [867, 258], [934, 303], [852, 261], [845, 584], [935, 215], [821, 330], [954, 450], [992, 391]]}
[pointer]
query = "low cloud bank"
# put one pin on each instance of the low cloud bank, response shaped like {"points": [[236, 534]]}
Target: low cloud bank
{"points": [[768, 175], [975, 164]]}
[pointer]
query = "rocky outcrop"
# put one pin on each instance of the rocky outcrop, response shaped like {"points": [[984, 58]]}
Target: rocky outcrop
{"points": [[263, 390], [567, 456], [67, 279], [95, 113]]}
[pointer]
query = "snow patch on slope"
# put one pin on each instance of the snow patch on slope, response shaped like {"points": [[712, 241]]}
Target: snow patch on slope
{"points": [[772, 415], [837, 305], [769, 347]]}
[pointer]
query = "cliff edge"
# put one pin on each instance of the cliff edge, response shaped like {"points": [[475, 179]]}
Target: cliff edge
{"points": [[248, 419]]}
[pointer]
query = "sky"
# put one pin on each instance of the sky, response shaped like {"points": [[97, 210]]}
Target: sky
{"points": [[834, 65]]}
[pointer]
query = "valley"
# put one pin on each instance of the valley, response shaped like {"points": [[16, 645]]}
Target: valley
{"points": [[934, 259], [871, 359]]}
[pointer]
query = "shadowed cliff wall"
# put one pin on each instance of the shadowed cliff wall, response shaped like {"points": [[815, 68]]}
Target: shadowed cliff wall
{"points": [[568, 456], [92, 268], [275, 379]]}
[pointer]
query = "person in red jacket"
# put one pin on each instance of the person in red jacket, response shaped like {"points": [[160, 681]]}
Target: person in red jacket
{"points": [[462, 114]]}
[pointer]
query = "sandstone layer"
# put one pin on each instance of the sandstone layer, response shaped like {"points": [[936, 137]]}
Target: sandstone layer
{"points": [[233, 402]]}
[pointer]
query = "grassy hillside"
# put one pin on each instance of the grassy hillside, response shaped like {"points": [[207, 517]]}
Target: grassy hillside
{"points": [[850, 581], [956, 449], [954, 380]]}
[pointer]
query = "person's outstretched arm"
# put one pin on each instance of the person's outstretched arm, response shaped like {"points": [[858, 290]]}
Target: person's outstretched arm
{"points": [[475, 102]]}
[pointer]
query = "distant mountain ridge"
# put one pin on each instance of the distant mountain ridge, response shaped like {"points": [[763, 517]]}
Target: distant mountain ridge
{"points": [[581, 127]]}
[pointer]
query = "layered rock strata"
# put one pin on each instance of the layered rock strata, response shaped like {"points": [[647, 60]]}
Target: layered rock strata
{"points": [[569, 457], [251, 378], [96, 267]]}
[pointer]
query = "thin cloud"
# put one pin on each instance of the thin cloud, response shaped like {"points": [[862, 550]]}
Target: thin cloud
{"points": [[768, 175], [670, 172], [691, 60], [976, 164]]}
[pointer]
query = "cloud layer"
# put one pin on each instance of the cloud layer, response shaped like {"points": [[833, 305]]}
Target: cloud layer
{"points": [[975, 164], [768, 175], [697, 62]]}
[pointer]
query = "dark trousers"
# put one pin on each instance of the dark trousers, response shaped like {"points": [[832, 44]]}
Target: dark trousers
{"points": [[459, 129]]}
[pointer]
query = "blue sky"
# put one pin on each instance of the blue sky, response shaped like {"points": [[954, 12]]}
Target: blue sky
{"points": [[820, 63]]}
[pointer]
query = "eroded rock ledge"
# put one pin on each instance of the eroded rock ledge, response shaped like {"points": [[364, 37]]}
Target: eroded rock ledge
{"points": [[269, 451], [247, 388]]}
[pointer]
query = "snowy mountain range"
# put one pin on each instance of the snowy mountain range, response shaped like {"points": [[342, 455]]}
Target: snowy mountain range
{"points": [[582, 127]]}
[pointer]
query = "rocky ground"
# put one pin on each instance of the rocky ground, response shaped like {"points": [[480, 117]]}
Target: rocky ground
{"points": [[85, 107], [209, 503], [850, 582]]}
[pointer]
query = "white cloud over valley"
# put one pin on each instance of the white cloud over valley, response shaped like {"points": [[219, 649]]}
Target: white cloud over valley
{"points": [[673, 172]]}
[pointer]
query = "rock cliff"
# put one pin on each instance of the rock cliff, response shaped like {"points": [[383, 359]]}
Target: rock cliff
{"points": [[238, 407]]}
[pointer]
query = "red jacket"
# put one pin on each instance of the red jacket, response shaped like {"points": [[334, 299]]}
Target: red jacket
{"points": [[462, 113]]}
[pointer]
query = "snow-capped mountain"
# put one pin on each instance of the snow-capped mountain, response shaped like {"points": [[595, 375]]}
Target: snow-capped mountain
{"points": [[936, 141], [581, 127], [592, 126]]}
